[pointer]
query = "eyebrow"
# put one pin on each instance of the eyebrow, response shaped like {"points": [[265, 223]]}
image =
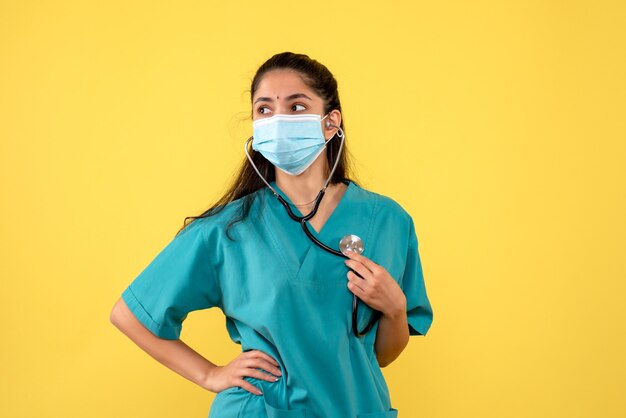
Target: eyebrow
{"points": [[290, 97]]}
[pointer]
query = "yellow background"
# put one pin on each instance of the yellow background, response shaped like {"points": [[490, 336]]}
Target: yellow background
{"points": [[499, 125]]}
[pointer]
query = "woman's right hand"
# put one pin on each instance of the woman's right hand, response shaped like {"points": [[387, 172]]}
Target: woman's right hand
{"points": [[245, 364]]}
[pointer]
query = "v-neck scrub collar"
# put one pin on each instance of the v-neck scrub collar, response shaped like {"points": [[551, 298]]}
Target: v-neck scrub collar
{"points": [[345, 198]]}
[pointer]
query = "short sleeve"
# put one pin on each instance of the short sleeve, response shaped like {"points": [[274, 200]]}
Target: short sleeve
{"points": [[180, 279], [419, 310]]}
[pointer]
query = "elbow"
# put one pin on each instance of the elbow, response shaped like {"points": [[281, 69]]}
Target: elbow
{"points": [[116, 315], [384, 361]]}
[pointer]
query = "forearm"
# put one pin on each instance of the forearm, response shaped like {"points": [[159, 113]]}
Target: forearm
{"points": [[174, 354], [392, 337]]}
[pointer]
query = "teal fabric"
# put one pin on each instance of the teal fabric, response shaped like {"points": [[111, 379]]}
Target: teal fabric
{"points": [[285, 296]]}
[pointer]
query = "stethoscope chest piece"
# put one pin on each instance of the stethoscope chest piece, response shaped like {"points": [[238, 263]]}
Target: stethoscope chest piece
{"points": [[351, 243]]}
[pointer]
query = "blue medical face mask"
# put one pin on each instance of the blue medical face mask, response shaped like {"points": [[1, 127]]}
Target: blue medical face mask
{"points": [[290, 142]]}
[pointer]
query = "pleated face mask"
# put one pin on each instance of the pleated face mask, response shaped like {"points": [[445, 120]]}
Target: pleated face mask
{"points": [[290, 142]]}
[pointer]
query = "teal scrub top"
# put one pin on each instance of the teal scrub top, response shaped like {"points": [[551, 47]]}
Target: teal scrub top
{"points": [[283, 295]]}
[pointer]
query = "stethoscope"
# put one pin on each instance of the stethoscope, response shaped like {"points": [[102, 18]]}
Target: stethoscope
{"points": [[346, 244]]}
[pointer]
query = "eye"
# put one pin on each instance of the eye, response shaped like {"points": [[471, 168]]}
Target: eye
{"points": [[263, 110], [298, 107]]}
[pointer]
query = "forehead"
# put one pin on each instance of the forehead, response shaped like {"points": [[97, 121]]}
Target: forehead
{"points": [[282, 83]]}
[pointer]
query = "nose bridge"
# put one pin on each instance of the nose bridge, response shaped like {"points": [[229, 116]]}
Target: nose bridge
{"points": [[282, 107]]}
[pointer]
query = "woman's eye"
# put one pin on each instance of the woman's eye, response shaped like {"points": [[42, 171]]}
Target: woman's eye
{"points": [[297, 107], [263, 110]]}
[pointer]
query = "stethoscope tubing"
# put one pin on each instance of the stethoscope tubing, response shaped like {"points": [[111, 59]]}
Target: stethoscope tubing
{"points": [[303, 219], [355, 300]]}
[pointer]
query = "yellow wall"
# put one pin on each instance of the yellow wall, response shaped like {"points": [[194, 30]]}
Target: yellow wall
{"points": [[499, 125]]}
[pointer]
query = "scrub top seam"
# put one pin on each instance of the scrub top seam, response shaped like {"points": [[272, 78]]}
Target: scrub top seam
{"points": [[139, 310], [215, 276], [143, 308], [372, 219], [406, 258], [270, 234]]}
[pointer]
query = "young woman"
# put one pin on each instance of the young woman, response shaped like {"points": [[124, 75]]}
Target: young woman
{"points": [[315, 317]]}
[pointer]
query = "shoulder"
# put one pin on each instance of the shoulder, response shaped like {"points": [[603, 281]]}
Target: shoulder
{"points": [[390, 218], [383, 206], [214, 224]]}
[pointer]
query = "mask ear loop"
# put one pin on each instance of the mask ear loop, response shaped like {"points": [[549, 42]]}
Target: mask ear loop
{"points": [[342, 136]]}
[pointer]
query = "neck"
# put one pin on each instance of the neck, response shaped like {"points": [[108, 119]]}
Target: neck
{"points": [[304, 187]]}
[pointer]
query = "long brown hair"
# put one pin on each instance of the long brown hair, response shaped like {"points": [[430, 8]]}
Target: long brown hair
{"points": [[247, 181]]}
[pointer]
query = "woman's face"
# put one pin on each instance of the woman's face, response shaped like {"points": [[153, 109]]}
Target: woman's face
{"points": [[283, 92]]}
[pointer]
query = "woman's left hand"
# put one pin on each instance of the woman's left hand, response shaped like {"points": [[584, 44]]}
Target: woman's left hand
{"points": [[375, 287]]}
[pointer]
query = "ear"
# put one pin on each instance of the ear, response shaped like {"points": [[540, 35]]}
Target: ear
{"points": [[334, 118]]}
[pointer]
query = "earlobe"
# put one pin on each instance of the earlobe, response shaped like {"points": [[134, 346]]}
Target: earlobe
{"points": [[332, 136]]}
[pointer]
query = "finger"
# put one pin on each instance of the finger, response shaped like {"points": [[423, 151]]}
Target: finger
{"points": [[261, 375], [261, 354], [364, 260], [359, 269], [249, 387], [262, 364], [356, 280], [356, 290]]}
